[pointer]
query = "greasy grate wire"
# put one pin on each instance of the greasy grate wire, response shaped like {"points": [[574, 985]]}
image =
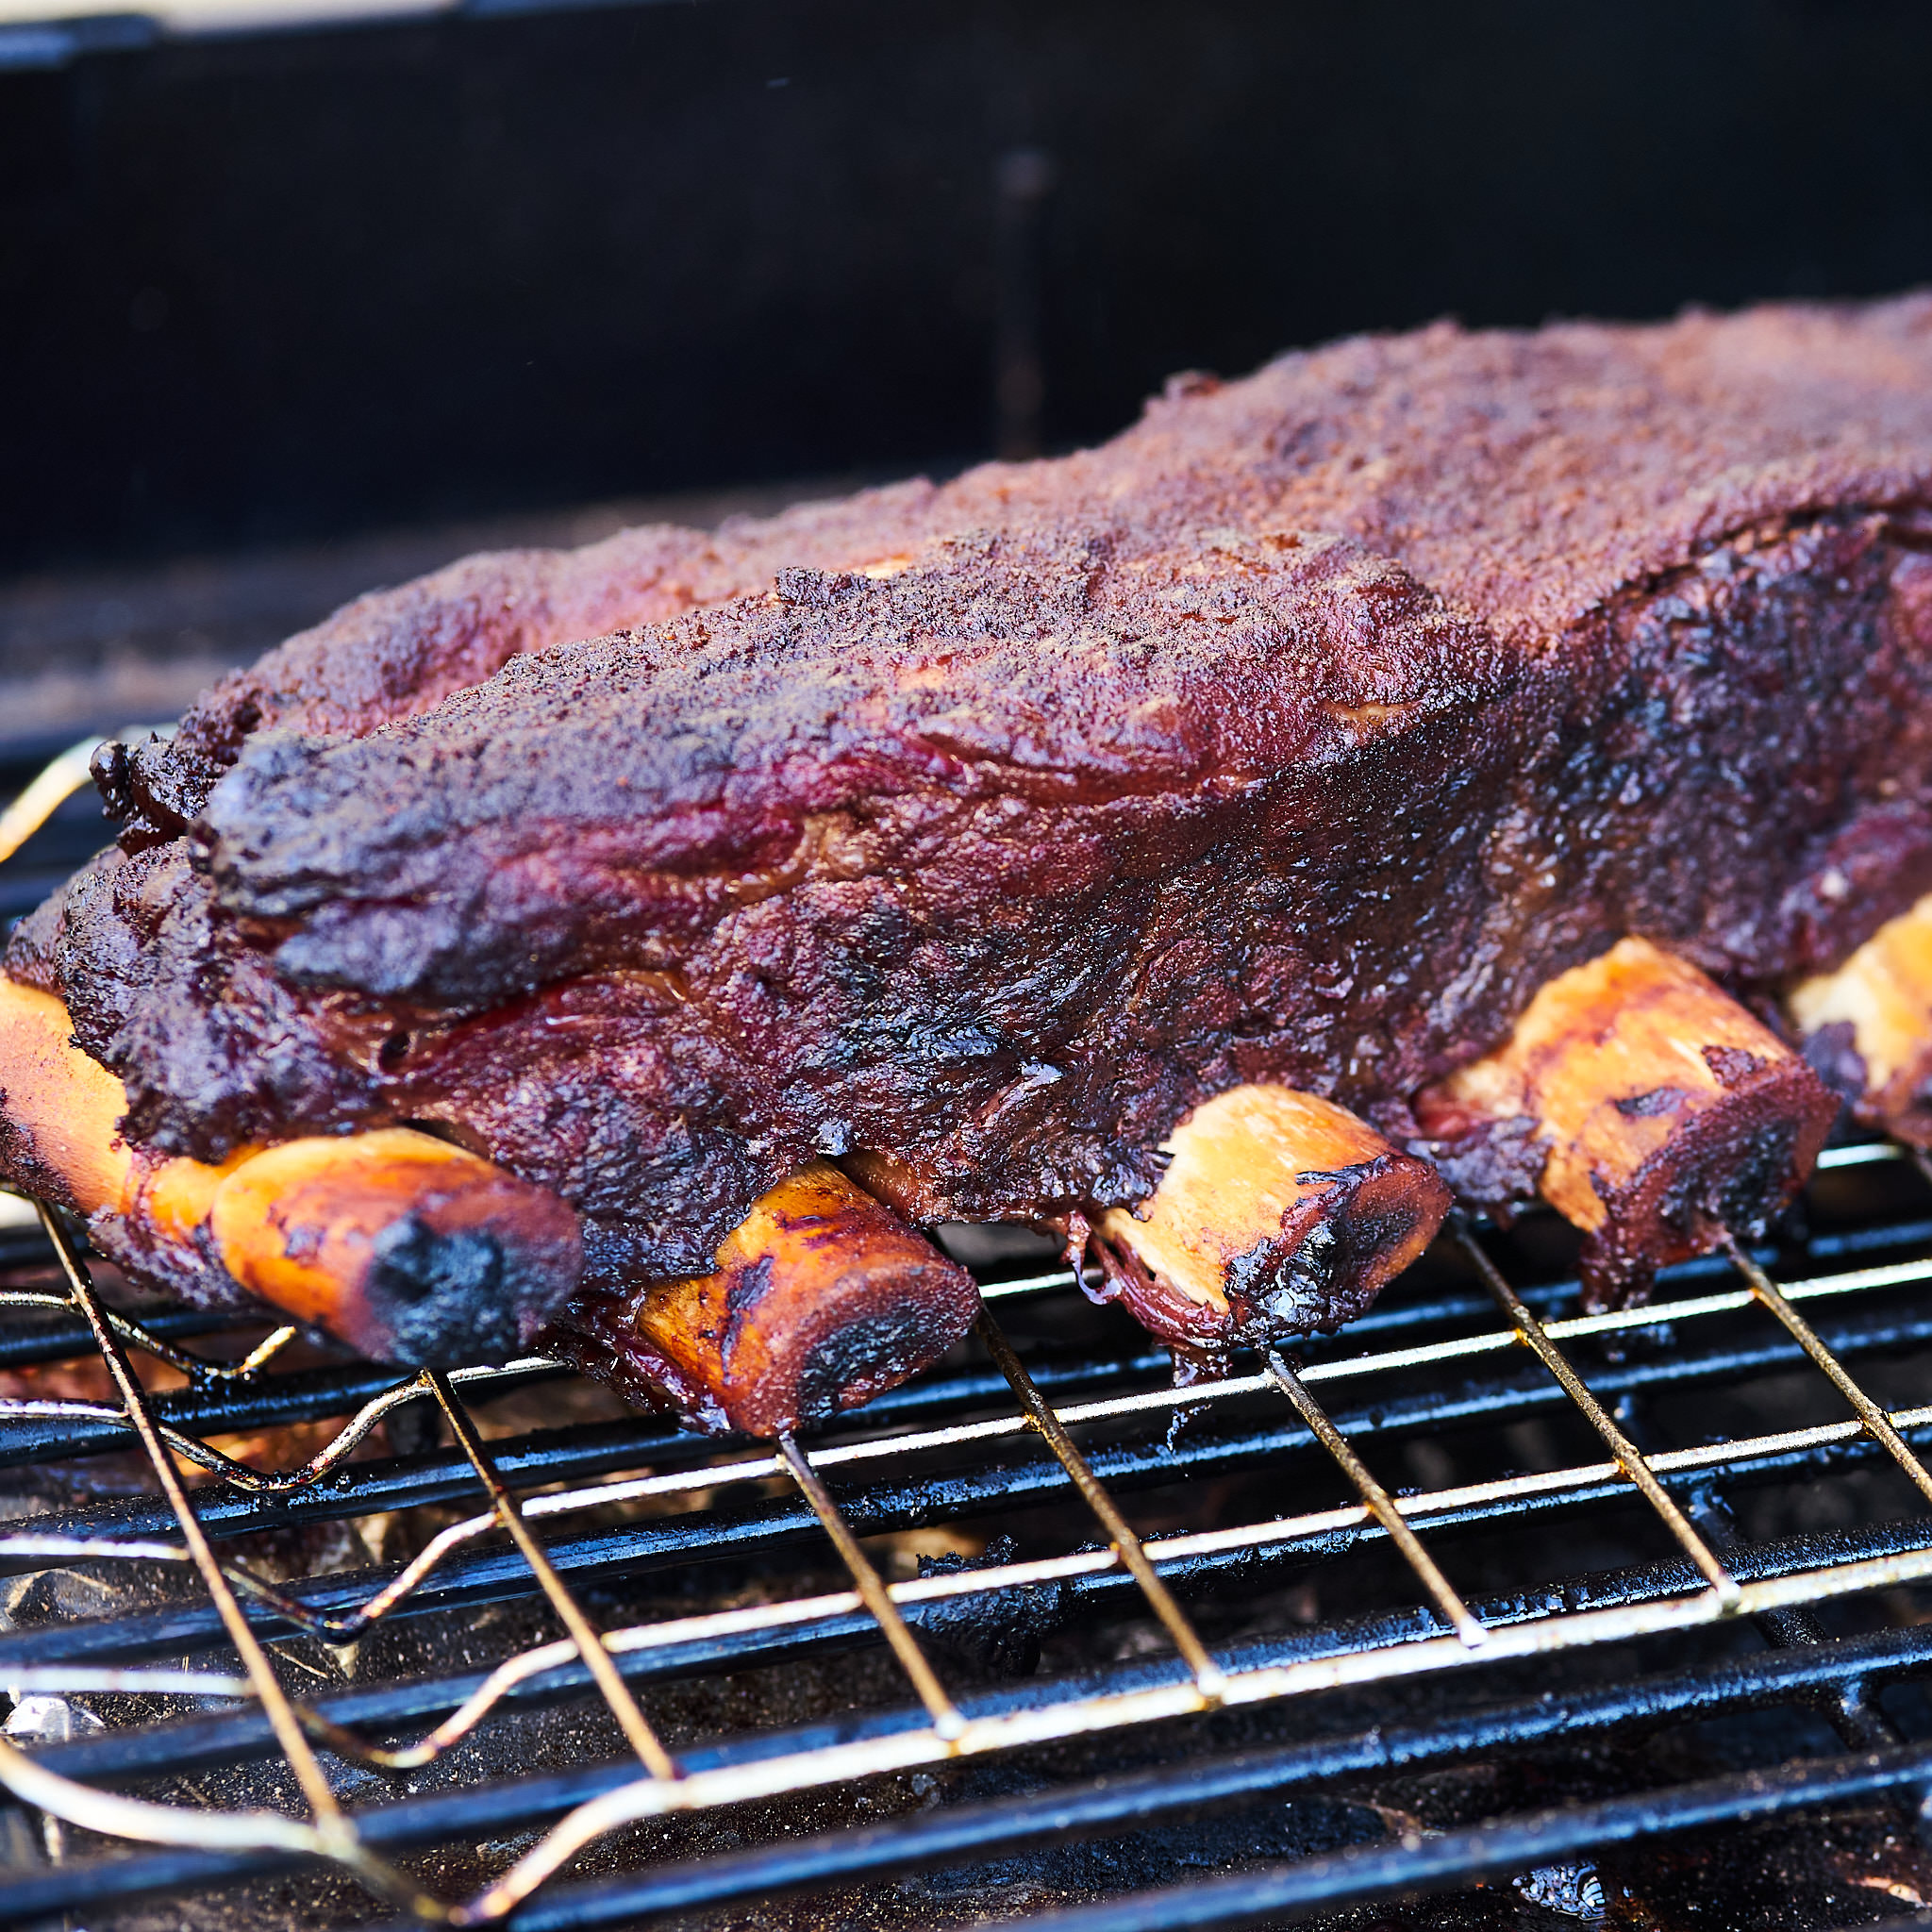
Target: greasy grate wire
{"points": [[1413, 1385]]}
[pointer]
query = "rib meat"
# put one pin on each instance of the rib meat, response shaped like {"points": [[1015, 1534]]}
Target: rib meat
{"points": [[1298, 735]]}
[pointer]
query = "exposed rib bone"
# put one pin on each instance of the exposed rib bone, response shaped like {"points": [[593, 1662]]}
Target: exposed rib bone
{"points": [[407, 1248], [1279, 1212], [1883, 995], [823, 1298], [413, 1250], [1662, 1111]]}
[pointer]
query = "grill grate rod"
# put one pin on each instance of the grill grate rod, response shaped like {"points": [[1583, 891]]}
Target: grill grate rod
{"points": [[1112, 1805], [334, 1835], [825, 1615], [1126, 1545], [1263, 1675], [1421, 1862], [748, 1636], [1286, 1538], [873, 1594], [836, 1762], [1467, 1502], [269, 1407], [200, 1369], [1630, 1458], [1801, 1331], [590, 1645], [240, 1476], [1380, 1505], [393, 1485], [1753, 1681], [45, 794], [264, 1402], [1090, 1714]]}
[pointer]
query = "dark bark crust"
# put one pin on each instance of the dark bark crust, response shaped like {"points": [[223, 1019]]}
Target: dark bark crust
{"points": [[1094, 806]]}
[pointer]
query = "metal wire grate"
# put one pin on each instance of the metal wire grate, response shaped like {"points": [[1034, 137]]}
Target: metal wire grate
{"points": [[617, 1499]]}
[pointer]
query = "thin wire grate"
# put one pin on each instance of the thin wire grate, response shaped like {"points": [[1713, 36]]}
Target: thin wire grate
{"points": [[1446, 1635]]}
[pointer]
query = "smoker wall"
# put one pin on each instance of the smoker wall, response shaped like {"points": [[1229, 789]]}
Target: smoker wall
{"points": [[294, 285]]}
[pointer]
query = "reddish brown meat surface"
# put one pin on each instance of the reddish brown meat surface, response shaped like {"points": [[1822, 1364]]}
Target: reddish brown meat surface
{"points": [[1298, 734]]}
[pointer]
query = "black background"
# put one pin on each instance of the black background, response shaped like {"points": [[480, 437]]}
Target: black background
{"points": [[301, 284]]}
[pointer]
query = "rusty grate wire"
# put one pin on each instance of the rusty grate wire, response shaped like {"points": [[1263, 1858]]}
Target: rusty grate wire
{"points": [[1446, 1635]]}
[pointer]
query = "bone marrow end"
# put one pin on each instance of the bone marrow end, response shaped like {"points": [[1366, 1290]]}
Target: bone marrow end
{"points": [[823, 1298], [1279, 1213], [1661, 1110]]}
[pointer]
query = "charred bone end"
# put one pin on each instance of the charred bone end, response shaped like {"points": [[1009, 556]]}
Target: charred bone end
{"points": [[822, 1299], [407, 1248], [1665, 1112], [432, 1291], [1279, 1213], [1874, 1017], [404, 1246]]}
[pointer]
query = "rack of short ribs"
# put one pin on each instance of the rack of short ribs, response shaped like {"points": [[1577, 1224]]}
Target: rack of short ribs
{"points": [[1424, 770]]}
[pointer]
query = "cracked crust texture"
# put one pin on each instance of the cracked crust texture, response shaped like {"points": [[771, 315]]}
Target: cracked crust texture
{"points": [[1299, 734]]}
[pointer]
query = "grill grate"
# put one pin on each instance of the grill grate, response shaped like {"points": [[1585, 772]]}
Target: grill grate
{"points": [[1021, 1428]]}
